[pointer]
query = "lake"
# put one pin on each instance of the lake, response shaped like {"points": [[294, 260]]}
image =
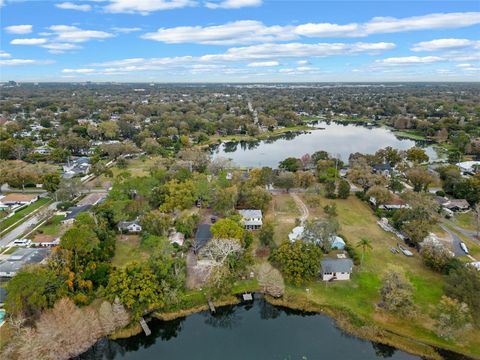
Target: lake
{"points": [[256, 330], [335, 138]]}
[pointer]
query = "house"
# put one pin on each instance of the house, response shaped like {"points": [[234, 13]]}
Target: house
{"points": [[251, 219], [43, 240], [394, 203], [202, 236], [457, 205], [469, 167], [17, 199], [336, 269], [177, 238], [129, 226], [20, 258], [73, 212], [78, 167], [382, 169]]}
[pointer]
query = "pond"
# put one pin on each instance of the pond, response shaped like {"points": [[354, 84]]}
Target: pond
{"points": [[335, 138], [256, 330]]}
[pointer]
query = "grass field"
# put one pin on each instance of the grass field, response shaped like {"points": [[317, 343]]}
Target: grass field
{"points": [[23, 213], [128, 249], [282, 213], [465, 220], [360, 295], [52, 226]]}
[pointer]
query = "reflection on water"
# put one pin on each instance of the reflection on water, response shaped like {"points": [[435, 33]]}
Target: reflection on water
{"points": [[255, 330], [335, 138]]}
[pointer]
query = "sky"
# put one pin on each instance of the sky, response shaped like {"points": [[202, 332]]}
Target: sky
{"points": [[239, 40]]}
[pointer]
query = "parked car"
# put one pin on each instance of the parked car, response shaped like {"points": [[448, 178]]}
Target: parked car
{"points": [[22, 242], [405, 251], [213, 219], [464, 247]]}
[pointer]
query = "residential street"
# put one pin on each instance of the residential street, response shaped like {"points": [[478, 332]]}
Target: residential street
{"points": [[456, 243]]}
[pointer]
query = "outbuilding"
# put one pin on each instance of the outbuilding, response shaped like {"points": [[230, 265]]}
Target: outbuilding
{"points": [[336, 269]]}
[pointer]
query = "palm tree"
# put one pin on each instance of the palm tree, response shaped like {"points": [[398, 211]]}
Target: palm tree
{"points": [[365, 244]]}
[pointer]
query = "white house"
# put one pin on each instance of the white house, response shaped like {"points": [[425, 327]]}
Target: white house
{"points": [[177, 238], [251, 219], [469, 167], [336, 269], [129, 226]]}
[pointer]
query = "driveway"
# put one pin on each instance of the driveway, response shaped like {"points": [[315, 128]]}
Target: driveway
{"points": [[301, 207], [457, 250]]}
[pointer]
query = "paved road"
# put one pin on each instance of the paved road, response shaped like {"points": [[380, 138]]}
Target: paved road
{"points": [[472, 235], [22, 228], [455, 242]]}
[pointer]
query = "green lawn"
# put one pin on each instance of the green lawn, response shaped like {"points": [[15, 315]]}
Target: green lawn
{"points": [[127, 249], [23, 213], [465, 220], [52, 226]]}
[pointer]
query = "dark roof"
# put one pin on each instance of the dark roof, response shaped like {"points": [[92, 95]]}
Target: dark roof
{"points": [[336, 265], [382, 167], [74, 211], [3, 295], [202, 235]]}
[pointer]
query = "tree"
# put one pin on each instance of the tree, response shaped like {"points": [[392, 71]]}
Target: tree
{"points": [[299, 261], [175, 195], [304, 179], [463, 284], [419, 178], [452, 317], [51, 182], [435, 255], [227, 229], [81, 240], [365, 244], [321, 232], [109, 129], [68, 189], [290, 164], [285, 180], [255, 198], [266, 233], [156, 222], [136, 287], [380, 195], [396, 292], [330, 188], [417, 155], [343, 189], [224, 200]]}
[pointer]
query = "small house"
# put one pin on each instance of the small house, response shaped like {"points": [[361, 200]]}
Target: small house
{"points": [[44, 240], [457, 205], [395, 202], [13, 199], [177, 238], [251, 219], [130, 227], [336, 269], [20, 258]]}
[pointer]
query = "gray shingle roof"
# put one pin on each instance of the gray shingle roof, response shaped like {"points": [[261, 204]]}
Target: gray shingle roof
{"points": [[336, 265]]}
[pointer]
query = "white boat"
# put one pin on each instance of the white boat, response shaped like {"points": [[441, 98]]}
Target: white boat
{"points": [[464, 247]]}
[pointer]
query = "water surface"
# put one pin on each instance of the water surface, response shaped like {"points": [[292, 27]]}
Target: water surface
{"points": [[257, 330], [335, 138]]}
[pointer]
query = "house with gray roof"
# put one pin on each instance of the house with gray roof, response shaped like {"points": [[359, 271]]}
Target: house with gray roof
{"points": [[336, 269], [129, 227], [20, 258], [251, 219]]}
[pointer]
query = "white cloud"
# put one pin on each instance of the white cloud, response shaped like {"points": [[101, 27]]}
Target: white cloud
{"points": [[19, 29], [72, 6], [238, 32], [464, 65], [4, 54], [302, 62], [408, 60], [263, 64], [65, 33], [126, 30], [232, 4], [58, 48], [445, 44], [32, 41], [16, 62], [145, 7]]}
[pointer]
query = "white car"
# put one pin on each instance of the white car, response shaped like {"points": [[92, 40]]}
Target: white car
{"points": [[22, 242], [464, 247]]}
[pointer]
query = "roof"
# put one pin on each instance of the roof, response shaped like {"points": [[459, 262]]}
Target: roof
{"points": [[74, 211], [22, 257], [382, 167], [126, 224], [460, 203], [16, 197], [395, 200], [296, 233], [43, 238], [250, 213], [92, 199], [202, 235], [336, 265]]}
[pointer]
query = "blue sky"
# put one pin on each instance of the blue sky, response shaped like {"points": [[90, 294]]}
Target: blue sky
{"points": [[239, 40]]}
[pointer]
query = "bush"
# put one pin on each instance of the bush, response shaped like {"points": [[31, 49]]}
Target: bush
{"points": [[351, 251], [440, 193], [361, 195], [65, 205]]}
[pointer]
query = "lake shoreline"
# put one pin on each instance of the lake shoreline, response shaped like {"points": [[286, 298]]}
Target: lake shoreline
{"points": [[370, 331]]}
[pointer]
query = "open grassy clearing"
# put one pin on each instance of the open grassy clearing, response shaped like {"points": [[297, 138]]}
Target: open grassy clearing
{"points": [[360, 295], [128, 249], [282, 212], [53, 226], [23, 213], [465, 220]]}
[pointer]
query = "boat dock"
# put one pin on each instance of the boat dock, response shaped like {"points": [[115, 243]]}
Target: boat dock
{"points": [[145, 327]]}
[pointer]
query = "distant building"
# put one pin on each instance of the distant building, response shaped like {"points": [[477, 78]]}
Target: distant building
{"points": [[18, 199], [43, 240], [20, 258], [336, 269], [395, 202], [251, 219], [78, 167], [131, 227], [457, 205]]}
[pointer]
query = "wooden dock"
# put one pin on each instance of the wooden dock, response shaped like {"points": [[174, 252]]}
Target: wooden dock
{"points": [[211, 306], [145, 327]]}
